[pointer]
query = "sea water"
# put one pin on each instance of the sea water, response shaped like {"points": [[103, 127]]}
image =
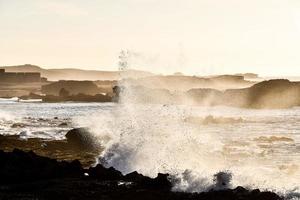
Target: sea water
{"points": [[261, 149]]}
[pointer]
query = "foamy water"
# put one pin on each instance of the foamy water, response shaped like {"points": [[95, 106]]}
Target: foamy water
{"points": [[261, 151], [43, 120]]}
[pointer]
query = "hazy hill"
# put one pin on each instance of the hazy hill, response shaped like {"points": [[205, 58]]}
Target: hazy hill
{"points": [[184, 83], [272, 94], [280, 93], [76, 74]]}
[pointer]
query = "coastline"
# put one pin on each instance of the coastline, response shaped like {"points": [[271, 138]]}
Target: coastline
{"points": [[60, 149], [25, 175]]}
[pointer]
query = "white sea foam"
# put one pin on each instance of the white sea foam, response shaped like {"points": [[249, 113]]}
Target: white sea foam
{"points": [[155, 138]]}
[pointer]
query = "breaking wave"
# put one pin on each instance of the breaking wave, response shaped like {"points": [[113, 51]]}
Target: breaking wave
{"points": [[156, 138]]}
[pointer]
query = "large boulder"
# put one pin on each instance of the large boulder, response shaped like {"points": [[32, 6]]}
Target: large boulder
{"points": [[81, 138]]}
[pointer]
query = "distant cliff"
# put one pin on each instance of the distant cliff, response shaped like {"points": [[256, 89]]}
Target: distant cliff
{"points": [[19, 77], [76, 74], [73, 88], [185, 83], [278, 93], [249, 75], [273, 94]]}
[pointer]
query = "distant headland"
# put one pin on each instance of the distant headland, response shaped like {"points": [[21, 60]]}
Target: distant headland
{"points": [[246, 90]]}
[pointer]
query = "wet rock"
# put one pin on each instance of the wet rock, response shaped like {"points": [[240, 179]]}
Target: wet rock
{"points": [[30, 96], [19, 166], [81, 138], [63, 124], [102, 173], [55, 149], [265, 196], [23, 135], [18, 125], [44, 145], [222, 180], [25, 175], [161, 182], [135, 177]]}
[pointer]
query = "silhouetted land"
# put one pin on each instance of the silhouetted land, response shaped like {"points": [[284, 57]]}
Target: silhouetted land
{"points": [[76, 74], [224, 90], [271, 94], [29, 176]]}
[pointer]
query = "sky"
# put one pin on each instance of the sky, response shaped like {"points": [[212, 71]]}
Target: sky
{"points": [[197, 37]]}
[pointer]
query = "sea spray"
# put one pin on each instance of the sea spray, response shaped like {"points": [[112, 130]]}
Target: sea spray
{"points": [[155, 138], [152, 138]]}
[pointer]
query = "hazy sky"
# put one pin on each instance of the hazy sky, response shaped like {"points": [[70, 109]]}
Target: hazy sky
{"points": [[193, 36]]}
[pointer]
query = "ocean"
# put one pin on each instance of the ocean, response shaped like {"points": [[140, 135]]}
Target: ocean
{"points": [[260, 148]]}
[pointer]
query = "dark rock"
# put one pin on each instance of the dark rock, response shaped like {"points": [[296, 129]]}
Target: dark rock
{"points": [[63, 92], [160, 182], [267, 196], [29, 176], [267, 94], [18, 125], [63, 124], [240, 190], [255, 192], [73, 87], [222, 180], [102, 173], [135, 177], [19, 166], [55, 149], [31, 96], [23, 134], [81, 138], [270, 94]]}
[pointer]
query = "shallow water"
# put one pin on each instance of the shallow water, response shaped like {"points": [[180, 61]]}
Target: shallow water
{"points": [[44, 120], [262, 150]]}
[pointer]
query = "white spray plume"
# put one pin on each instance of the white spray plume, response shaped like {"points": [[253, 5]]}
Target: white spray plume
{"points": [[152, 138]]}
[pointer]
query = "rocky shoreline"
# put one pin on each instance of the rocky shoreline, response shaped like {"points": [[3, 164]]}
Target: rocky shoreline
{"points": [[272, 94], [25, 175], [78, 145]]}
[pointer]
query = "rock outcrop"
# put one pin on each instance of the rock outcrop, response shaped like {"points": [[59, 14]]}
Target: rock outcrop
{"points": [[28, 176], [73, 87], [81, 138], [270, 94], [19, 166], [267, 94]]}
